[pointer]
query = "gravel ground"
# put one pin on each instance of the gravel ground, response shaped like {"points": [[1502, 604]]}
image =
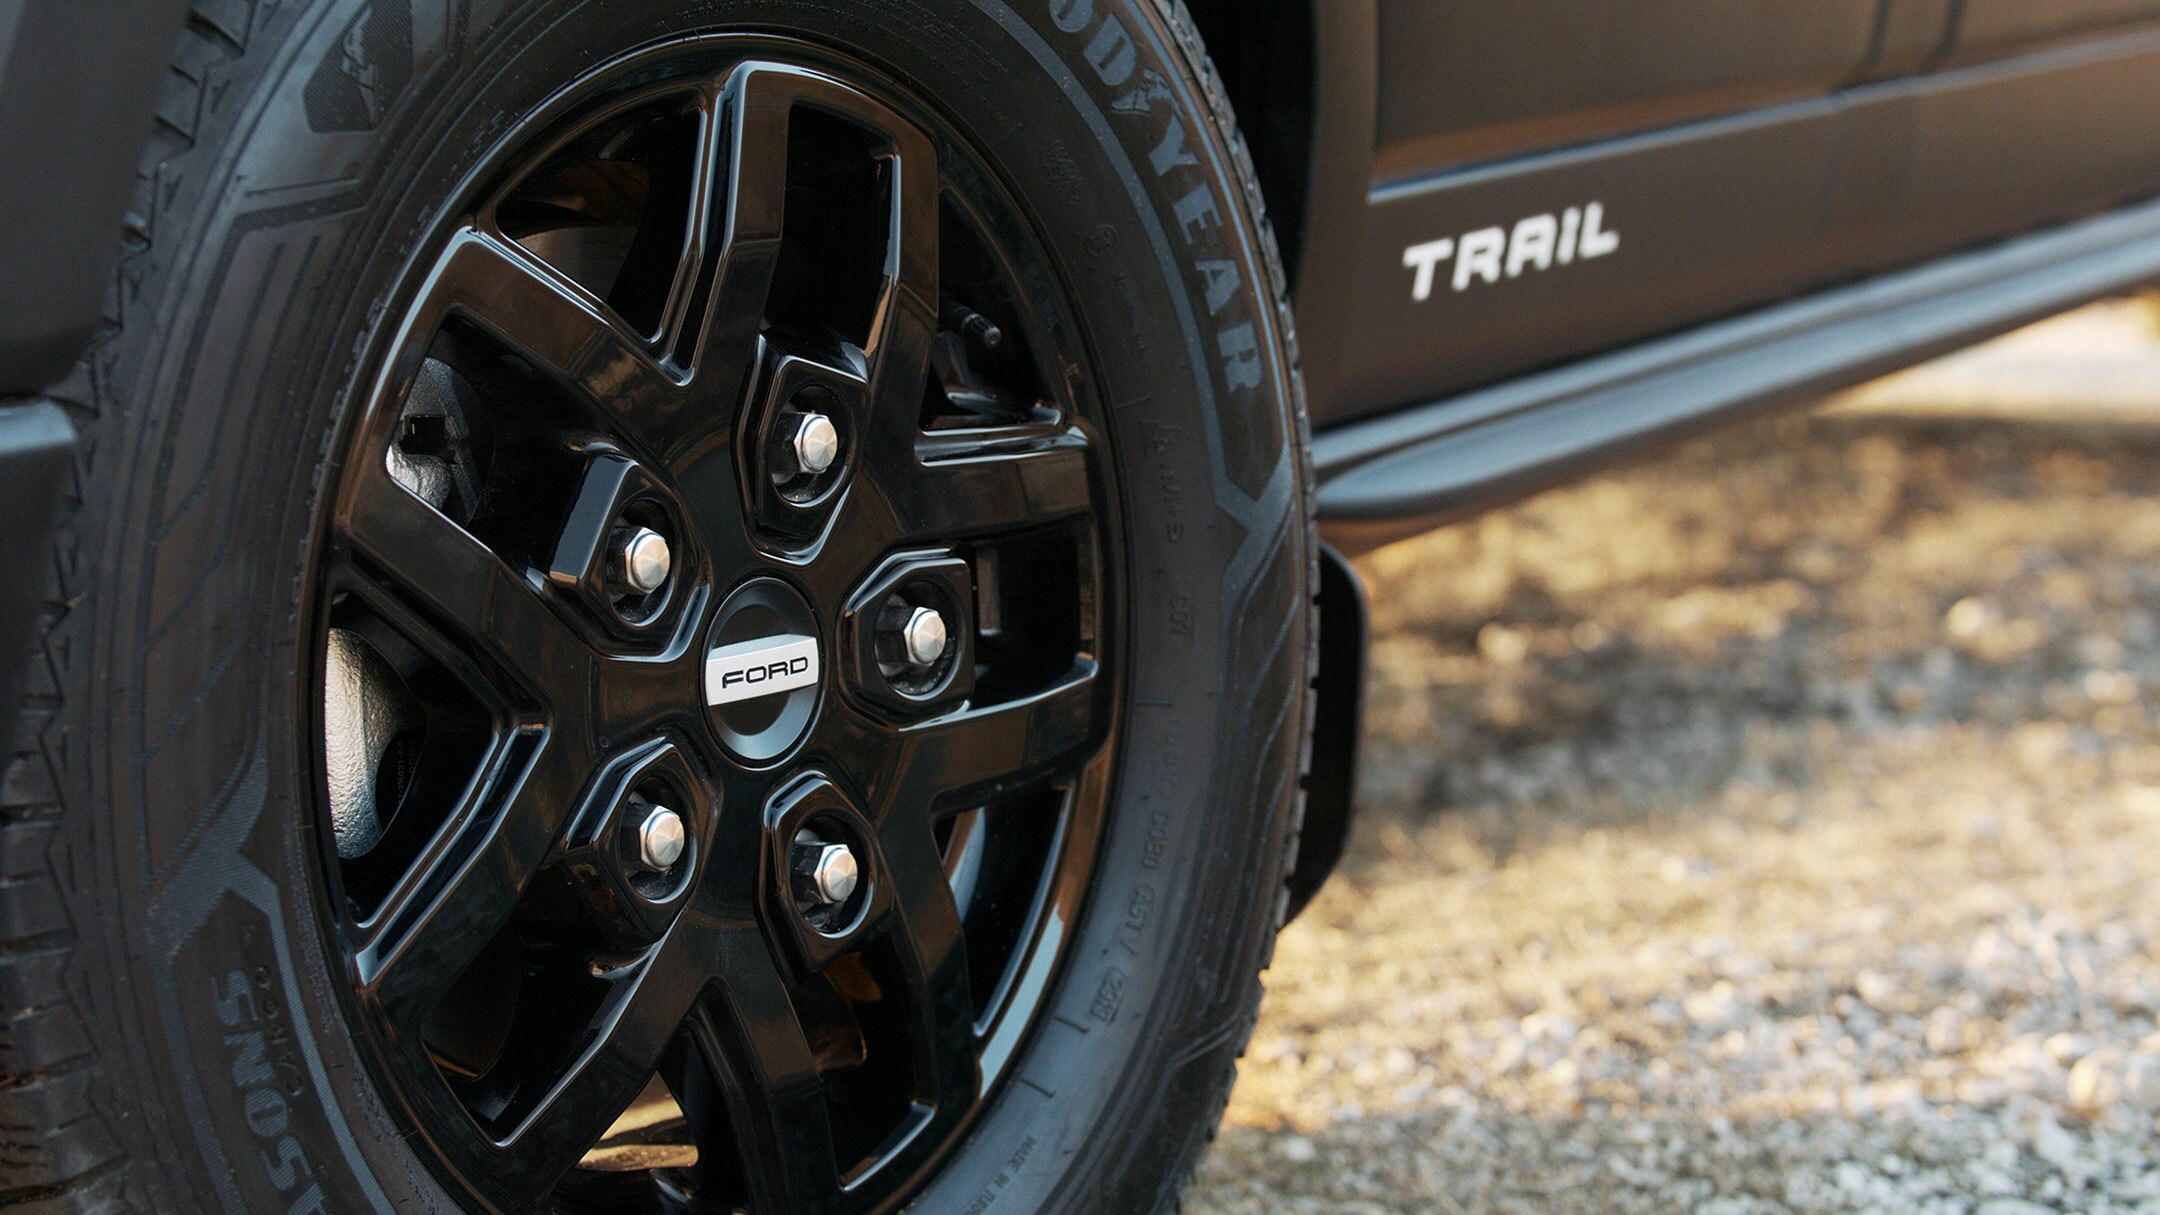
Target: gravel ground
{"points": [[1775, 827]]}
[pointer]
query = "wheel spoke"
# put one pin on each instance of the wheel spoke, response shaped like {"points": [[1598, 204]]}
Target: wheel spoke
{"points": [[547, 320], [752, 1066], [979, 751], [742, 220], [466, 886], [955, 489], [641, 1018], [559, 328], [939, 1000], [432, 561], [907, 317]]}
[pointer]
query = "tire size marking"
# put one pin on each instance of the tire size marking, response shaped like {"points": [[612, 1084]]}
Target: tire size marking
{"points": [[1108, 995], [266, 1078], [1160, 440], [1181, 616], [1158, 839], [1138, 911], [1169, 763]]}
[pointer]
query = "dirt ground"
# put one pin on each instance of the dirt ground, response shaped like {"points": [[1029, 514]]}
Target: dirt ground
{"points": [[1774, 827]]}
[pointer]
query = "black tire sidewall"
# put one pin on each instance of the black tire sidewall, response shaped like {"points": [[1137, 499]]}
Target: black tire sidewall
{"points": [[283, 241]]}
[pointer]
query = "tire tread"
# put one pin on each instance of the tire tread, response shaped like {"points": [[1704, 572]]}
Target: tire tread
{"points": [[59, 1153], [1186, 37]]}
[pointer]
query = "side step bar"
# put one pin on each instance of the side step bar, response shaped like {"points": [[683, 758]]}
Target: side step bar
{"points": [[1397, 475]]}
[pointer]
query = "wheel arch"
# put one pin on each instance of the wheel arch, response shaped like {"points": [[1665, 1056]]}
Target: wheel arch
{"points": [[1265, 51], [78, 84]]}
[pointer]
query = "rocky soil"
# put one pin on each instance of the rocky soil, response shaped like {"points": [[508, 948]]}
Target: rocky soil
{"points": [[1775, 827]]}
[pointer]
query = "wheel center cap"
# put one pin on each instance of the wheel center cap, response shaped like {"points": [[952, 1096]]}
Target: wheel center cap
{"points": [[763, 669], [762, 666]]}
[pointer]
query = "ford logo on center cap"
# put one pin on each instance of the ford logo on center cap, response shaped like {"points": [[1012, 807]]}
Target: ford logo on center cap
{"points": [[762, 666]]}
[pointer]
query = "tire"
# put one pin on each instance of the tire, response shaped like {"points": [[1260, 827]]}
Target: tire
{"points": [[183, 1032]]}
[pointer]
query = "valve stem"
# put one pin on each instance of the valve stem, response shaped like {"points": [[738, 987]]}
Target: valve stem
{"points": [[971, 324]]}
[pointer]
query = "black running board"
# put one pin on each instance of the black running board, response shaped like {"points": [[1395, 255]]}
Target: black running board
{"points": [[1394, 476]]}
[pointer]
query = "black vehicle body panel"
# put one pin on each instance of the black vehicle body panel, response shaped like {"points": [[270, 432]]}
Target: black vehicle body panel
{"points": [[1804, 193], [78, 82], [1999, 148], [1718, 213], [36, 444], [77, 86], [1910, 35], [1989, 28], [1463, 83], [1708, 218]]}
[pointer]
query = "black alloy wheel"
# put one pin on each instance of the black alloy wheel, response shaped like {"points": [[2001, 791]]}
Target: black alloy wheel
{"points": [[697, 254], [669, 606]]}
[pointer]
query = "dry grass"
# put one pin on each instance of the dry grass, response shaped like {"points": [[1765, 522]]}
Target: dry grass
{"points": [[1774, 827]]}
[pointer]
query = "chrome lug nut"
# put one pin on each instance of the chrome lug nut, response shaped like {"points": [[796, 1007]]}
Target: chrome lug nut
{"points": [[824, 873], [835, 874], [910, 638], [810, 444], [641, 560], [923, 638], [661, 839]]}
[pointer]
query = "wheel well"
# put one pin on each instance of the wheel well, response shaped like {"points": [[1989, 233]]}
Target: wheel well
{"points": [[1264, 52]]}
